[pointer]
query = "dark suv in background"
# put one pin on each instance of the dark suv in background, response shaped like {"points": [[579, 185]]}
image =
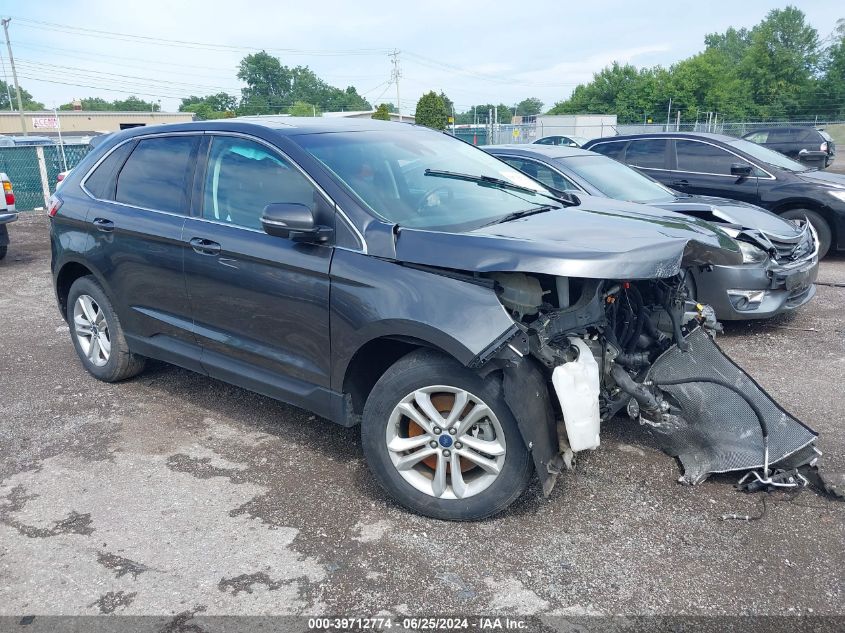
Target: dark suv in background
{"points": [[814, 148], [727, 167]]}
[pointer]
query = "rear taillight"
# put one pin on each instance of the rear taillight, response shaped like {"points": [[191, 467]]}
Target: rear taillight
{"points": [[7, 190], [60, 177], [823, 146], [54, 206]]}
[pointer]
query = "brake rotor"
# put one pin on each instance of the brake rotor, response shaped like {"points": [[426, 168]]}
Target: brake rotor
{"points": [[443, 402]]}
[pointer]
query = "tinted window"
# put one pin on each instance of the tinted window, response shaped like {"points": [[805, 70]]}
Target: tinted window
{"points": [[758, 137], [613, 150], [156, 175], [785, 136], [243, 177], [538, 171], [704, 158], [647, 153], [102, 180]]}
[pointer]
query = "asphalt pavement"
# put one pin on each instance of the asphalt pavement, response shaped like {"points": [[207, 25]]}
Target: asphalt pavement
{"points": [[173, 493]]}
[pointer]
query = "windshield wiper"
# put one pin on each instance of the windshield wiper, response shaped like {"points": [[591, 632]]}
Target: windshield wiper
{"points": [[565, 199], [516, 215]]}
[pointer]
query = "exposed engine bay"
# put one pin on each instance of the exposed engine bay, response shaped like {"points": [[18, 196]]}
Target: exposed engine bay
{"points": [[643, 347]]}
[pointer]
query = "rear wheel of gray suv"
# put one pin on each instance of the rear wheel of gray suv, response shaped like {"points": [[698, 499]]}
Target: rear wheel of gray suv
{"points": [[97, 334], [819, 224], [442, 441]]}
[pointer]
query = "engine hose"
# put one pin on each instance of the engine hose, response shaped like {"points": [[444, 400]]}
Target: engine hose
{"points": [[636, 390], [722, 383], [676, 328], [642, 315]]}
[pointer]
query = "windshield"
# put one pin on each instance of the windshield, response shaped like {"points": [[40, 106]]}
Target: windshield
{"points": [[386, 170], [766, 155], [616, 180]]}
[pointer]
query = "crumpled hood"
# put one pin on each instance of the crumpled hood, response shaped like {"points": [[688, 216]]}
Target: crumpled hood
{"points": [[600, 238], [747, 216]]}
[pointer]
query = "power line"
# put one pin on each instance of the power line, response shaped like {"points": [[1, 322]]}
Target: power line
{"points": [[394, 78], [42, 67], [159, 41]]}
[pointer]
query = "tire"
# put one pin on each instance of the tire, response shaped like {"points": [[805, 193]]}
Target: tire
{"points": [[819, 224], [478, 492], [4, 238], [3, 250], [88, 304]]}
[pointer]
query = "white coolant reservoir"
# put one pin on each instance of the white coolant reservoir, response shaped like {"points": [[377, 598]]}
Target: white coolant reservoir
{"points": [[577, 387]]}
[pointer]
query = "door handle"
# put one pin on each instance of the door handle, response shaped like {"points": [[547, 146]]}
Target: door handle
{"points": [[205, 247], [679, 183], [104, 225]]}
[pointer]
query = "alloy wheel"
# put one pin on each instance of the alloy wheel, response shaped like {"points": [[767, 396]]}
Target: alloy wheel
{"points": [[91, 330], [446, 442]]}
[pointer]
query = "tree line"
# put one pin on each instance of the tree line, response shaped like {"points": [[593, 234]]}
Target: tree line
{"points": [[779, 69]]}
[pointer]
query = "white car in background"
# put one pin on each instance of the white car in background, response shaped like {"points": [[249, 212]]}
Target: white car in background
{"points": [[7, 212]]}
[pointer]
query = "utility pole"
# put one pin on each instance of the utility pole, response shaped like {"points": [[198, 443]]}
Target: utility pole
{"points": [[394, 77], [6, 81], [668, 114], [5, 22]]}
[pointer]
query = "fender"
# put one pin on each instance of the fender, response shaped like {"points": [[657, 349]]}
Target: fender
{"points": [[376, 298]]}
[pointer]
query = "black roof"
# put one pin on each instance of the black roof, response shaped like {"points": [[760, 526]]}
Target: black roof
{"points": [[283, 125], [549, 151], [724, 138]]}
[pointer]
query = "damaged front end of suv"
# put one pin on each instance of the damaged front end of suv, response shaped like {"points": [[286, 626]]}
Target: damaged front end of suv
{"points": [[641, 347], [608, 327]]}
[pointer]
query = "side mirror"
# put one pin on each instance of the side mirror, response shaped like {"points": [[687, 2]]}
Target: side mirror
{"points": [[741, 169], [293, 221]]}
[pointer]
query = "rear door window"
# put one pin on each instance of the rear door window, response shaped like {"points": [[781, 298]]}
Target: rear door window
{"points": [[243, 177], [100, 183], [157, 174], [703, 158], [649, 153]]}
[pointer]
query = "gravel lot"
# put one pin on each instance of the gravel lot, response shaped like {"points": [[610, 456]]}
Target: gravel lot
{"points": [[176, 494]]}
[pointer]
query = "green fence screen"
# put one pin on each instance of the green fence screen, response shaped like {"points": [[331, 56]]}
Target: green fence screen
{"points": [[21, 166]]}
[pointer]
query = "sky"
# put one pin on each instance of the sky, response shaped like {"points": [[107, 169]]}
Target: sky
{"points": [[475, 52]]}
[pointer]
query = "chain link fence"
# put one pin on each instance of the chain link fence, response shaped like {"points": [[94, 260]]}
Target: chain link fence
{"points": [[32, 180]]}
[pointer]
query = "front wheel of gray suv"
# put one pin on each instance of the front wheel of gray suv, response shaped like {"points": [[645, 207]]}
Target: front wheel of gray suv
{"points": [[442, 441], [97, 334]]}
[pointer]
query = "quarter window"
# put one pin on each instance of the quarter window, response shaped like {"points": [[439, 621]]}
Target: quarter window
{"points": [[647, 153], [157, 174], [243, 177], [101, 182], [704, 158]]}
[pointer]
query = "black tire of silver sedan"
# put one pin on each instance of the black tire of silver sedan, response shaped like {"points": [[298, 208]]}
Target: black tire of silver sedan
{"points": [[442, 441], [821, 226], [97, 334]]}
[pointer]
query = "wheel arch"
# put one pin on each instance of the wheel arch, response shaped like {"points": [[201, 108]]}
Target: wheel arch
{"points": [[68, 273], [372, 359]]}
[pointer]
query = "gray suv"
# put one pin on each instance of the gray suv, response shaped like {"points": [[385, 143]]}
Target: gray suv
{"points": [[391, 276]]}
